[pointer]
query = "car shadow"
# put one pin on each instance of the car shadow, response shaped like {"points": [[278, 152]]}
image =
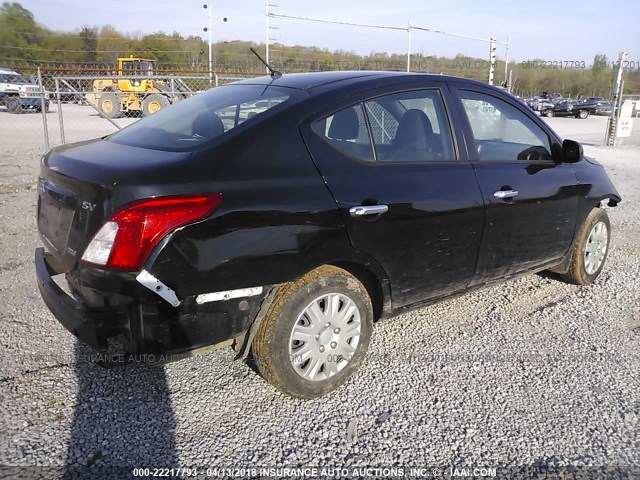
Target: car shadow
{"points": [[551, 276], [123, 419]]}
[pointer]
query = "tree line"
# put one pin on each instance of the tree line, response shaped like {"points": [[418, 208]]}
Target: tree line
{"points": [[24, 41]]}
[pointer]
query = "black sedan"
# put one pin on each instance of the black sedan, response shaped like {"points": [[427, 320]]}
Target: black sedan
{"points": [[283, 216], [567, 108]]}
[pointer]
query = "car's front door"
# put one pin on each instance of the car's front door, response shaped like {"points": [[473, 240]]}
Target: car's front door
{"points": [[406, 197], [531, 199]]}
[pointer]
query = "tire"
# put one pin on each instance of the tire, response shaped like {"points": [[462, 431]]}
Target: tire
{"points": [[310, 369], [154, 103], [582, 114], [46, 108], [548, 113], [591, 249], [109, 105], [13, 105]]}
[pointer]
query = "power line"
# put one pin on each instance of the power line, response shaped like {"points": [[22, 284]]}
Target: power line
{"points": [[384, 27], [337, 22]]}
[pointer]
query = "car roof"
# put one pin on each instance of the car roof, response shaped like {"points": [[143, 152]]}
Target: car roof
{"points": [[8, 71], [309, 81]]}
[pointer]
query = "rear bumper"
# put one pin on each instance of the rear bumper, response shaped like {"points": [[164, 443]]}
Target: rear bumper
{"points": [[93, 327], [145, 324]]}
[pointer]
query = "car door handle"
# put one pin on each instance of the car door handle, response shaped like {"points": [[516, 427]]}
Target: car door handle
{"points": [[505, 193], [362, 210]]}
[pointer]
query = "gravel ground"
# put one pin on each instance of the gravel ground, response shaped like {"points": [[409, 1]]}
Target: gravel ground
{"points": [[532, 372]]}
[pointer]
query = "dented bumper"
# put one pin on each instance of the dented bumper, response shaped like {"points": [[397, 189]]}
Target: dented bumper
{"points": [[92, 326], [140, 320]]}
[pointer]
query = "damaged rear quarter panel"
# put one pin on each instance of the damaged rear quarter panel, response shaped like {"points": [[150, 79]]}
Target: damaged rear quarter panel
{"points": [[277, 219]]}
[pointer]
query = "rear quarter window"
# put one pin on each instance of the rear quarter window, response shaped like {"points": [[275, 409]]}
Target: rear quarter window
{"points": [[347, 131]]}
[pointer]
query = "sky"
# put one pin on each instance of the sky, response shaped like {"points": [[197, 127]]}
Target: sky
{"points": [[569, 30]]}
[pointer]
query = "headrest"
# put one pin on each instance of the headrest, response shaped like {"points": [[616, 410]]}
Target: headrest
{"points": [[414, 127], [207, 125]]}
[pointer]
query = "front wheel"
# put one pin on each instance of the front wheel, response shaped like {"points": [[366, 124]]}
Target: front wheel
{"points": [[315, 334], [582, 114], [13, 105], [591, 249], [548, 113], [109, 104]]}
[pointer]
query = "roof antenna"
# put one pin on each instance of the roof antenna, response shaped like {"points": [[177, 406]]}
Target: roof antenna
{"points": [[274, 73]]}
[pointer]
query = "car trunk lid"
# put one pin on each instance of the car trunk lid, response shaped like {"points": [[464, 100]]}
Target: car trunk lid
{"points": [[81, 185]]}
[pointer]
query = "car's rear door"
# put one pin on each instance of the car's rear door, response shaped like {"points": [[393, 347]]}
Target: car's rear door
{"points": [[531, 199], [407, 195]]}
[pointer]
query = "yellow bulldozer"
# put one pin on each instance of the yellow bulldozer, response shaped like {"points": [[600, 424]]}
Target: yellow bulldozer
{"points": [[132, 90]]}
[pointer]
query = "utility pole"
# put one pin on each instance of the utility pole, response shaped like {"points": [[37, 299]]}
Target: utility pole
{"points": [[268, 32], [492, 59], [408, 47], [207, 7], [610, 140], [267, 45], [507, 73]]}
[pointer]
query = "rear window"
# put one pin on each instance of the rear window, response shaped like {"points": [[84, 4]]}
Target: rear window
{"points": [[204, 118]]}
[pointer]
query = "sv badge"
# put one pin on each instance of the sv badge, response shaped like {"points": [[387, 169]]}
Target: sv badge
{"points": [[88, 206]]}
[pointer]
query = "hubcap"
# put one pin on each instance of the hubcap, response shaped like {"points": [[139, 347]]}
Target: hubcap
{"points": [[154, 107], [325, 337], [107, 106], [596, 248]]}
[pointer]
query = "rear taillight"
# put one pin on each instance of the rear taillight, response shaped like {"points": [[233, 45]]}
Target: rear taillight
{"points": [[127, 238]]}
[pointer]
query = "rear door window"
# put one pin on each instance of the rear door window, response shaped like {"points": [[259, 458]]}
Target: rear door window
{"points": [[410, 127]]}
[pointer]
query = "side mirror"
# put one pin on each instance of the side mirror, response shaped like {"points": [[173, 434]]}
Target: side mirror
{"points": [[571, 151]]}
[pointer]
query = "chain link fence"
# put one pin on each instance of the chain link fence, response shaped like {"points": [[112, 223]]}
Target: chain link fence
{"points": [[57, 105], [48, 106]]}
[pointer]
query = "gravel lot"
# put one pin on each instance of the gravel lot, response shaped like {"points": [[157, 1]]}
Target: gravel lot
{"points": [[533, 372]]}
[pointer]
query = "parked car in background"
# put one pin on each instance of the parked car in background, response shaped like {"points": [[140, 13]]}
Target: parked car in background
{"points": [[18, 94], [523, 101], [345, 198], [566, 108], [595, 107], [544, 106], [604, 107]]}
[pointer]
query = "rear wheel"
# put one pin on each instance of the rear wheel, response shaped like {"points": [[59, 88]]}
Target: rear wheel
{"points": [[154, 103], [13, 105], [315, 334], [591, 249], [109, 105], [582, 114]]}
